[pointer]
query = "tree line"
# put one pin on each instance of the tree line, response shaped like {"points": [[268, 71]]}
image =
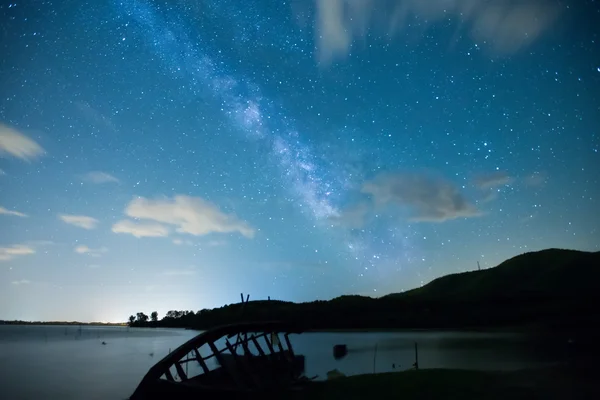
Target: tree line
{"points": [[173, 319], [553, 289]]}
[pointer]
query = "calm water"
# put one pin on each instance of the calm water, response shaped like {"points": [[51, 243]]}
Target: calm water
{"points": [[58, 362]]}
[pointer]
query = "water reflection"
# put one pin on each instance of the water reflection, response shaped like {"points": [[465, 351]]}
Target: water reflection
{"points": [[71, 362]]}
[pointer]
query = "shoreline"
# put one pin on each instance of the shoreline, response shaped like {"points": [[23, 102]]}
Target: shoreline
{"points": [[53, 323], [509, 329], [554, 382]]}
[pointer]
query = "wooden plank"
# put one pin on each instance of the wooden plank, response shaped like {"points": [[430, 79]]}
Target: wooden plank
{"points": [[234, 375], [289, 345], [269, 345], [257, 345], [280, 353], [272, 357], [169, 375], [242, 365], [180, 372], [201, 361]]}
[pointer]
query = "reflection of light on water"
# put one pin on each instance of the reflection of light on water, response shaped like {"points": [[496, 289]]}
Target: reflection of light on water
{"points": [[114, 370]]}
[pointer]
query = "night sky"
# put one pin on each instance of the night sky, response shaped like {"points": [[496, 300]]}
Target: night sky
{"points": [[159, 155]]}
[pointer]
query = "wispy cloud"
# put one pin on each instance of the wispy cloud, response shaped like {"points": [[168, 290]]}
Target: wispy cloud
{"points": [[39, 243], [95, 116], [83, 249], [81, 221], [430, 199], [99, 177], [536, 179], [10, 212], [21, 282], [490, 195], [191, 215], [353, 217], [180, 242], [503, 26], [14, 143], [492, 180], [140, 229], [17, 250]]}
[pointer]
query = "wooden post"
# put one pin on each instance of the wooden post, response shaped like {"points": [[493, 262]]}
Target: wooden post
{"points": [[374, 357], [416, 356]]}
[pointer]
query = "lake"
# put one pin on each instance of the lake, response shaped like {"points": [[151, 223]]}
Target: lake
{"points": [[70, 362]]}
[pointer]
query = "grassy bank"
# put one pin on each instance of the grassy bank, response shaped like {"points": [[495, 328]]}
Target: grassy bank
{"points": [[545, 383]]}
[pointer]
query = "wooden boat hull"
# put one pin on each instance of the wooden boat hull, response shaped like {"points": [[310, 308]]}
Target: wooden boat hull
{"points": [[241, 373]]}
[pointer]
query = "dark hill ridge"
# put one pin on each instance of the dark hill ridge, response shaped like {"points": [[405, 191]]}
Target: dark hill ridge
{"points": [[550, 287], [552, 272]]}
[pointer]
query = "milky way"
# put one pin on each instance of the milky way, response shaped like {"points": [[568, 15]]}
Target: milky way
{"points": [[315, 187], [242, 101]]}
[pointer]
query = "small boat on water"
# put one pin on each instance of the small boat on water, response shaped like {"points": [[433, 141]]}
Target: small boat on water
{"points": [[246, 360]]}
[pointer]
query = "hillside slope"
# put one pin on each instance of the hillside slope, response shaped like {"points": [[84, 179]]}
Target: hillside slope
{"points": [[546, 273], [558, 288]]}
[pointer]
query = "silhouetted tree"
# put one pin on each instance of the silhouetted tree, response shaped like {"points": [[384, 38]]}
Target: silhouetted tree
{"points": [[131, 320], [154, 316], [142, 318]]}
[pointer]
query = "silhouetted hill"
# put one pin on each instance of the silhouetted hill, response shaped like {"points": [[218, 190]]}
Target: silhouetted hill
{"points": [[552, 272], [557, 288]]}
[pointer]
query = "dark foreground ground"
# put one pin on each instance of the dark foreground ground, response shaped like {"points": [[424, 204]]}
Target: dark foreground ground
{"points": [[546, 383]]}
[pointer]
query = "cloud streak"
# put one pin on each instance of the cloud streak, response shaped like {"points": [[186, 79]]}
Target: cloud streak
{"points": [[140, 229], [4, 211], [15, 144], [504, 26], [428, 198], [492, 180], [537, 179], [353, 217], [191, 215], [99, 177], [83, 249], [81, 221], [17, 250]]}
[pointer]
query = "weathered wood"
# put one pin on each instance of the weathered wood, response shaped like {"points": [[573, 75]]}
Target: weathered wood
{"points": [[180, 355], [280, 353], [257, 345], [201, 361], [289, 344], [180, 371], [269, 345], [234, 375], [240, 362], [169, 375]]}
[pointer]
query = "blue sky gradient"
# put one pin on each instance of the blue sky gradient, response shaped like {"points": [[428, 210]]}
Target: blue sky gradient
{"points": [[158, 157]]}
